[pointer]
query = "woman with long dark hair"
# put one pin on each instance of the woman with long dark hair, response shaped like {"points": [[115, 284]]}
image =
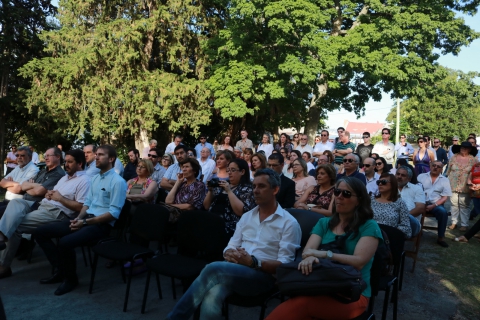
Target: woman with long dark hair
{"points": [[381, 165], [352, 213], [284, 142]]}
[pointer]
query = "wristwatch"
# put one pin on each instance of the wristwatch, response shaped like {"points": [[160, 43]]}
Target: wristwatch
{"points": [[85, 221], [329, 254], [309, 208], [259, 264]]}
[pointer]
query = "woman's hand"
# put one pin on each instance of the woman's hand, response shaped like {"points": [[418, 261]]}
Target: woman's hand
{"points": [[309, 253], [225, 185], [179, 177], [306, 265]]}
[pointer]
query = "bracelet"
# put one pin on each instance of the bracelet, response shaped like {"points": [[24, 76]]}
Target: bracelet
{"points": [[436, 204], [254, 262]]}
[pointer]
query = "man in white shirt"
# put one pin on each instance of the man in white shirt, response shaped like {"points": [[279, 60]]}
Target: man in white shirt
{"points": [[412, 195], [172, 145], [25, 170], [323, 145], [170, 177], [35, 158], [264, 238], [11, 159], [304, 146], [207, 164], [385, 148], [370, 175], [437, 189]]}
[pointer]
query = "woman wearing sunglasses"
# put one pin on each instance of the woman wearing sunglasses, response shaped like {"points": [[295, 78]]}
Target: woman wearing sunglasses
{"points": [[381, 165], [300, 175], [388, 208], [295, 141], [352, 212], [422, 157]]}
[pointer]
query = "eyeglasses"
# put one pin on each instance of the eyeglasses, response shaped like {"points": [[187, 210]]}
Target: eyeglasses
{"points": [[402, 137], [141, 167], [20, 155], [378, 163], [48, 155], [153, 156], [421, 141], [322, 160], [454, 140], [345, 193], [232, 170], [324, 135], [348, 160], [367, 165], [166, 158], [202, 138], [303, 139], [295, 136], [436, 166], [365, 137], [436, 141], [382, 182], [385, 133], [190, 154]]}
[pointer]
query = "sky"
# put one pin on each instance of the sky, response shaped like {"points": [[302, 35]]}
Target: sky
{"points": [[466, 60]]}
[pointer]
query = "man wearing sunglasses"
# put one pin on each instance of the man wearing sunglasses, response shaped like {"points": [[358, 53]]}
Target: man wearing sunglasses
{"points": [[304, 146], [437, 188], [158, 170], [204, 144], [370, 175], [323, 145], [403, 149], [364, 149], [385, 148], [350, 166], [412, 195], [441, 153]]}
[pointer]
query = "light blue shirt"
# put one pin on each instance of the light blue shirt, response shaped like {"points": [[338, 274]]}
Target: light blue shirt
{"points": [[23, 174], [91, 169], [172, 171], [199, 147], [107, 194], [399, 149], [118, 167], [158, 173]]}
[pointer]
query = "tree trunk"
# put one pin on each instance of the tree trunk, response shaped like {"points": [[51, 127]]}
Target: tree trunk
{"points": [[314, 112], [141, 139], [3, 115]]}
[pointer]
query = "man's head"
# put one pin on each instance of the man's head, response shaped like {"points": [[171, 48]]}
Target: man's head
{"points": [[403, 138], [351, 162], [472, 141], [323, 159], [202, 139], [455, 140], [427, 141], [366, 137], [24, 156], [105, 157], [303, 140], [275, 162], [181, 152], [436, 168], [89, 152], [53, 157], [345, 137], [192, 153], [307, 156], [74, 161], [31, 148], [238, 152], [178, 139], [266, 184], [244, 134], [153, 143], [205, 153], [14, 148], [133, 155], [404, 174], [154, 156], [60, 147], [324, 135], [369, 166], [385, 134], [436, 142], [340, 131], [472, 135]]}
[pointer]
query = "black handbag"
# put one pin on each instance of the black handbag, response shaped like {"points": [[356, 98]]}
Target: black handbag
{"points": [[341, 281]]}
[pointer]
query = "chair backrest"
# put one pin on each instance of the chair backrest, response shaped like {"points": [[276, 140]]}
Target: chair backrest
{"points": [[397, 242], [150, 221], [122, 221], [307, 220], [201, 234]]}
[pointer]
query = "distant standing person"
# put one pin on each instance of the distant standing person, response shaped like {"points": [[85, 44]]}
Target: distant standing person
{"points": [[403, 149], [455, 140], [323, 145], [343, 148], [151, 145], [172, 145], [304, 146], [35, 158], [226, 144], [441, 153], [202, 143], [63, 153], [244, 142], [266, 146], [422, 157], [11, 160], [364, 149], [130, 171], [385, 148]]}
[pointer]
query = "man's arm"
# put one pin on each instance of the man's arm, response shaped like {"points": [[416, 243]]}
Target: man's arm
{"points": [[34, 189], [70, 204], [439, 202], [167, 184], [418, 210], [344, 152]]}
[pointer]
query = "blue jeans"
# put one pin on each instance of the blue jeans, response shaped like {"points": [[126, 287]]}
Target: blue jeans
{"points": [[476, 206], [441, 215], [415, 224], [217, 281]]}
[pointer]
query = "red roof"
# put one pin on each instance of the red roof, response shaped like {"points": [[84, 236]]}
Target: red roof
{"points": [[358, 128]]}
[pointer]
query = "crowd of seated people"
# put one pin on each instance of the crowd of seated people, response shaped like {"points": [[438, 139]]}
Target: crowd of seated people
{"points": [[348, 191]]}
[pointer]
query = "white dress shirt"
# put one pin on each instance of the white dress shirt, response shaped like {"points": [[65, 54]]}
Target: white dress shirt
{"points": [[411, 194], [321, 147], [207, 168], [275, 238]]}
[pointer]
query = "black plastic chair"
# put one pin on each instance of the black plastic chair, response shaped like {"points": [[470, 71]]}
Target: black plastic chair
{"points": [[396, 243], [201, 239], [149, 223]]}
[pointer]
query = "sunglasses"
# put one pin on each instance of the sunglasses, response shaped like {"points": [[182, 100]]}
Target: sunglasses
{"points": [[345, 193], [378, 163], [365, 137], [454, 140], [385, 133], [324, 135], [303, 139], [348, 160], [153, 156], [421, 141], [436, 141], [367, 165], [382, 182], [190, 154]]}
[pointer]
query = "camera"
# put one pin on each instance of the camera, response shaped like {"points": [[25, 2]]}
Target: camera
{"points": [[213, 183], [403, 154]]}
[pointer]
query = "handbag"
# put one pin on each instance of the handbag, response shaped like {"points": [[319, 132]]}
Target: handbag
{"points": [[174, 212], [341, 281]]}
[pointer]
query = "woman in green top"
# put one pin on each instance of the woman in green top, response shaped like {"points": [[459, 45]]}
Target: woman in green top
{"points": [[352, 212]]}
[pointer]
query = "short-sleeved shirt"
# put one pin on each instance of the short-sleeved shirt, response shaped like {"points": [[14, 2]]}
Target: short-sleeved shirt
{"points": [[411, 194], [199, 147], [244, 144], [48, 179], [108, 192], [21, 175], [440, 188], [380, 148], [343, 146], [193, 194], [322, 147], [172, 171], [158, 173], [11, 156], [369, 229]]}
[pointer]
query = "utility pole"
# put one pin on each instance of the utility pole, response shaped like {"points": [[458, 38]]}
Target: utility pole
{"points": [[397, 133]]}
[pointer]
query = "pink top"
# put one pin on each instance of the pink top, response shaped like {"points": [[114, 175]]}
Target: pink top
{"points": [[304, 184]]}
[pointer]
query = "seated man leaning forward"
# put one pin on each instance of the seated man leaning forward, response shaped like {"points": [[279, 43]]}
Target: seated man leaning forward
{"points": [[62, 203], [101, 208], [264, 238]]}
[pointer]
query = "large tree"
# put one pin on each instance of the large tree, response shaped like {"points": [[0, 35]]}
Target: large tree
{"points": [[450, 107], [294, 60]]}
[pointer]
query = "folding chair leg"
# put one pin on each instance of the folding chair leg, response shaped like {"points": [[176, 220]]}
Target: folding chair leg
{"points": [[94, 269], [89, 255], [225, 310], [145, 294], [402, 270], [262, 311], [395, 299], [173, 288], [84, 256], [122, 271], [158, 286], [130, 271], [385, 303]]}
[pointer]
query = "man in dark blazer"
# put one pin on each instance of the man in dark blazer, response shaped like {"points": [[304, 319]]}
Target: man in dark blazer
{"points": [[286, 195]]}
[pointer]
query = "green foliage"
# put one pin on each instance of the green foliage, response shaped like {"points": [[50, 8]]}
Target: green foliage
{"points": [[449, 107]]}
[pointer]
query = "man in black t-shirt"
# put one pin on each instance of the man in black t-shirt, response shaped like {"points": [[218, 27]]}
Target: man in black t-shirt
{"points": [[365, 148]]}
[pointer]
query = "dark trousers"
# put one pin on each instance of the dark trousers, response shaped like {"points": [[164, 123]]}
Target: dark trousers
{"points": [[63, 256], [441, 215], [473, 230]]}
